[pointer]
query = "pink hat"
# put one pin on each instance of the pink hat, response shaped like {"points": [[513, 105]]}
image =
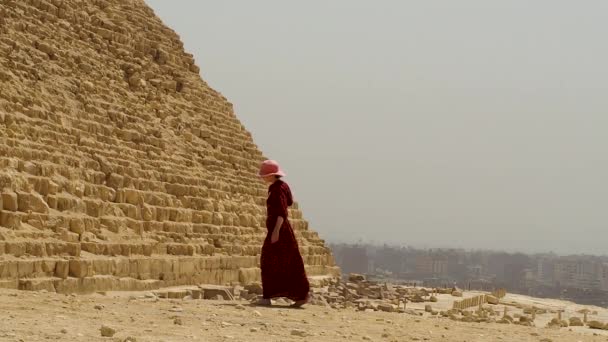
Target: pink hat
{"points": [[271, 168]]}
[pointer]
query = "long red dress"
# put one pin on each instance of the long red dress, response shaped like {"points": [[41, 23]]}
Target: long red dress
{"points": [[283, 273]]}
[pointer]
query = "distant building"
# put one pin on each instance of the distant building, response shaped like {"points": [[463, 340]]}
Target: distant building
{"points": [[432, 265], [352, 259], [604, 277], [545, 270], [578, 272]]}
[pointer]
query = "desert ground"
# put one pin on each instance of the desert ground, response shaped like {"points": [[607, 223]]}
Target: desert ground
{"points": [[141, 316]]}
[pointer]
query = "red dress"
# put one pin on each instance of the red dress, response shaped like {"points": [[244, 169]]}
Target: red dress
{"points": [[283, 273]]}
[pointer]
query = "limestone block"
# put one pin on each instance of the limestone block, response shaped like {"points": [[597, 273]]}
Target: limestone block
{"points": [[492, 300], [62, 268], [9, 201], [212, 291], [35, 248], [597, 325], [9, 284], [80, 268], [15, 248], [77, 225], [47, 284], [25, 268], [51, 201], [115, 181], [249, 275], [10, 220]]}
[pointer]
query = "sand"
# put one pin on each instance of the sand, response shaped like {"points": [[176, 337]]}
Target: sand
{"points": [[40, 316]]}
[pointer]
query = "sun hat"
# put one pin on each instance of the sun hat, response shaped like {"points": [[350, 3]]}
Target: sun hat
{"points": [[271, 168]]}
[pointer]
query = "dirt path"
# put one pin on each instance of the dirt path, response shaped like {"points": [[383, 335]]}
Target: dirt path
{"points": [[34, 316]]}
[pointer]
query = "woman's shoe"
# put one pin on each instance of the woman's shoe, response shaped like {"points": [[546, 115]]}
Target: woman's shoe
{"points": [[301, 302]]}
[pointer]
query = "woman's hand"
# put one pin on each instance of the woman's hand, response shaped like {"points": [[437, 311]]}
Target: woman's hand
{"points": [[277, 228], [275, 236]]}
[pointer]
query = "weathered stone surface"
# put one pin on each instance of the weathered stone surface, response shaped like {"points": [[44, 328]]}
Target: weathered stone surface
{"points": [[119, 165]]}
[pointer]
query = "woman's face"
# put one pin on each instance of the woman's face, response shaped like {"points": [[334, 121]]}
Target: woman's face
{"points": [[269, 179]]}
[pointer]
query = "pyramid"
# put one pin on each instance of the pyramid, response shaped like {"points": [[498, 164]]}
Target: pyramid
{"points": [[120, 168]]}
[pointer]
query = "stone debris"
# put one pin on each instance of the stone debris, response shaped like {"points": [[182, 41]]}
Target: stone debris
{"points": [[597, 325], [359, 293], [576, 322], [300, 333], [107, 331], [369, 296]]}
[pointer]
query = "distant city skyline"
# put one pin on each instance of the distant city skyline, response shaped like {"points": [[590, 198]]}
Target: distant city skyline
{"points": [[581, 278], [469, 124]]}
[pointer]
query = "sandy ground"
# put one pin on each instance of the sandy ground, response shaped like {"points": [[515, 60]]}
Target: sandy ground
{"points": [[36, 316]]}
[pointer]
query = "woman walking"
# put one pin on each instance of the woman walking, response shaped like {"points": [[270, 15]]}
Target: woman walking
{"points": [[283, 273]]}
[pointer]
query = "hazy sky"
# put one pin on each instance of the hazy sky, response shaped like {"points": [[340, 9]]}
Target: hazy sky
{"points": [[477, 124]]}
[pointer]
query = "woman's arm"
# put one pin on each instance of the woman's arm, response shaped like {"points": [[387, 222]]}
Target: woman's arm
{"points": [[277, 229]]}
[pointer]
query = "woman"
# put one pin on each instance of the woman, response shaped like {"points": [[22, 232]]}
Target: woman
{"points": [[283, 273]]}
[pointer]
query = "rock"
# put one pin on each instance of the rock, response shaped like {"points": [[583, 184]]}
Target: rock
{"points": [[434, 299], [596, 325], [216, 292], [257, 313], [98, 307], [129, 339], [107, 331], [225, 324], [64, 331], [299, 332], [254, 329], [254, 288], [355, 277], [492, 300], [9, 201], [457, 293], [239, 307], [387, 307], [178, 321], [428, 308], [525, 319], [556, 323], [576, 322]]}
